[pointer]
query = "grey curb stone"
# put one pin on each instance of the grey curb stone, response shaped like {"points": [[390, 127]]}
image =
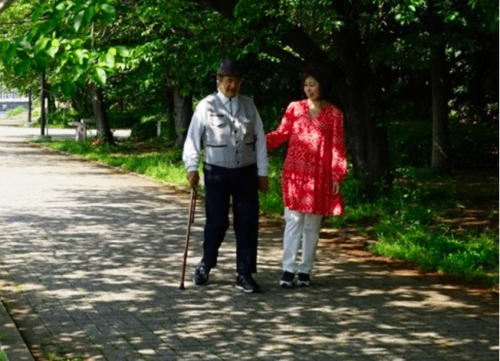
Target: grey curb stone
{"points": [[11, 342]]}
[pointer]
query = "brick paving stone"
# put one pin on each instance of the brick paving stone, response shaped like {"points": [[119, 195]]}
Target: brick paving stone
{"points": [[90, 263]]}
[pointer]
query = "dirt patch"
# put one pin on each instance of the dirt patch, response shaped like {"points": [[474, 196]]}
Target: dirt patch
{"points": [[477, 210], [350, 243]]}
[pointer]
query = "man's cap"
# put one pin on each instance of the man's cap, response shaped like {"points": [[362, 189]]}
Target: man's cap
{"points": [[230, 67]]}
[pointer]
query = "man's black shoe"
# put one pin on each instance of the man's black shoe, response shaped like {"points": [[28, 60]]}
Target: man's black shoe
{"points": [[201, 273], [247, 284]]}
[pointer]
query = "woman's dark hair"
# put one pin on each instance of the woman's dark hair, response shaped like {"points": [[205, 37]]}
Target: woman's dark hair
{"points": [[322, 77]]}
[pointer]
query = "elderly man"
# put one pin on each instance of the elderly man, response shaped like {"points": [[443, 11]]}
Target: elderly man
{"points": [[230, 129]]}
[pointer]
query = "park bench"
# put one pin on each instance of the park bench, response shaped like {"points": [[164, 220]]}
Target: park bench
{"points": [[81, 128]]}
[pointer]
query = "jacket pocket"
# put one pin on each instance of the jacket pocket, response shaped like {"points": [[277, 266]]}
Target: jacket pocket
{"points": [[217, 132], [217, 120], [216, 154]]}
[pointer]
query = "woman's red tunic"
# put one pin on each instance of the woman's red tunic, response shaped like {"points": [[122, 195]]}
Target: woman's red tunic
{"points": [[316, 158]]}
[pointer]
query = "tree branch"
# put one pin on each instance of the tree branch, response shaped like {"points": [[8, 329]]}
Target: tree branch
{"points": [[4, 4], [223, 7], [286, 57], [303, 45]]}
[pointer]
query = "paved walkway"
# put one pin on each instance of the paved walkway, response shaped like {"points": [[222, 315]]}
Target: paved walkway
{"points": [[90, 265]]}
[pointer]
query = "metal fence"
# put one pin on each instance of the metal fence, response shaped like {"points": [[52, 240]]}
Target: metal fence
{"points": [[10, 99], [11, 94]]}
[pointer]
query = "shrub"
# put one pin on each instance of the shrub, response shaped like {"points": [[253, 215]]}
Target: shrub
{"points": [[63, 117], [148, 129], [122, 120], [144, 131], [16, 111], [410, 144], [473, 146]]}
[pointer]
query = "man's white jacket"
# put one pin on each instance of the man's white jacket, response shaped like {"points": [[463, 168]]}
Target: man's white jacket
{"points": [[230, 141]]}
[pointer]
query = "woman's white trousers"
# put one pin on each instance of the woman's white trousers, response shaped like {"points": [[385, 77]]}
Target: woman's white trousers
{"points": [[299, 228]]}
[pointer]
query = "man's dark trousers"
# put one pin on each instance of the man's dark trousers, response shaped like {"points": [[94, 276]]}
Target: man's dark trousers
{"points": [[241, 184]]}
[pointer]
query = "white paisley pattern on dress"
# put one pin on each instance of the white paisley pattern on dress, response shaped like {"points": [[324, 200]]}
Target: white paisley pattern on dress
{"points": [[316, 158]]}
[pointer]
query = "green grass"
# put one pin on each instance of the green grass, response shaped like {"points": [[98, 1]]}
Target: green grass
{"points": [[60, 352], [271, 203], [162, 165], [3, 356], [405, 220], [407, 226], [471, 257], [16, 111], [55, 357]]}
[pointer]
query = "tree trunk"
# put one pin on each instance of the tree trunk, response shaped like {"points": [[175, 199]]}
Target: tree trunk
{"points": [[103, 130], [368, 143], [42, 103], [440, 127], [441, 159], [168, 99], [51, 103], [368, 147], [30, 104], [80, 101], [183, 111]]}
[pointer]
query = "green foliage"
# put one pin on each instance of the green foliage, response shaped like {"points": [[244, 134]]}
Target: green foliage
{"points": [[407, 226], [410, 143], [474, 146], [147, 129], [144, 130], [63, 37], [142, 50], [411, 199], [489, 8], [63, 117], [271, 203], [474, 258], [120, 120], [16, 111]]}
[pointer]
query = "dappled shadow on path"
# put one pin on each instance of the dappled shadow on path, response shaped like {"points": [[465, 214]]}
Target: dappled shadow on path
{"points": [[91, 265]]}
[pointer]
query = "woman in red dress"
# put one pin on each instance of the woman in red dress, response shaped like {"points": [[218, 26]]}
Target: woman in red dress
{"points": [[315, 166]]}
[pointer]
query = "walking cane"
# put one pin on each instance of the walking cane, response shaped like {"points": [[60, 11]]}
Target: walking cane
{"points": [[190, 221]]}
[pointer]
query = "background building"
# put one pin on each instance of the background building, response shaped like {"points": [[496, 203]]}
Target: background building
{"points": [[10, 99]]}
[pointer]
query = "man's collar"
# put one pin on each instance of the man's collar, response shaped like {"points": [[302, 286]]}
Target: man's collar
{"points": [[223, 98]]}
